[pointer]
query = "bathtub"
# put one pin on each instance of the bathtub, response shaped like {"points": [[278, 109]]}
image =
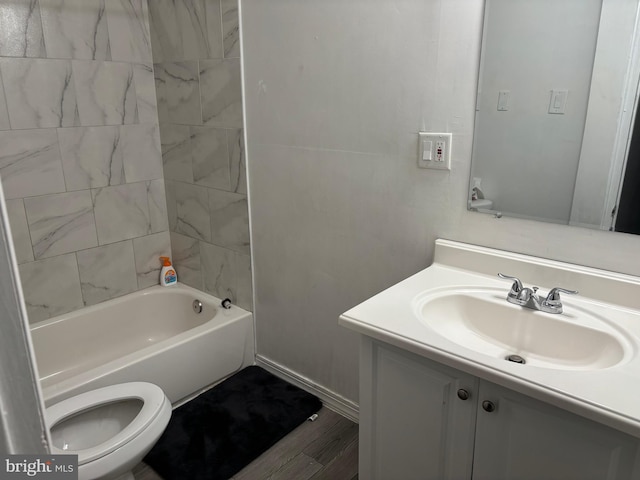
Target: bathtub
{"points": [[153, 335]]}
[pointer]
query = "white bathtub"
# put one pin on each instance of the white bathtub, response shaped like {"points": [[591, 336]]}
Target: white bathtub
{"points": [[153, 335]]}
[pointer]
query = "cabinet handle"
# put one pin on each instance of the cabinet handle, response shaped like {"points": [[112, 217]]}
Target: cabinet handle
{"points": [[488, 406], [463, 394]]}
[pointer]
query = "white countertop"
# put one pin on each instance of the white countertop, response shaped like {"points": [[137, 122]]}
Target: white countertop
{"points": [[610, 395]]}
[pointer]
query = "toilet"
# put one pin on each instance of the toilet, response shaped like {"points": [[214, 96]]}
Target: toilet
{"points": [[481, 204], [110, 429]]}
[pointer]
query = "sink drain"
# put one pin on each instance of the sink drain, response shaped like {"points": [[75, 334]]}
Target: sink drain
{"points": [[515, 359]]}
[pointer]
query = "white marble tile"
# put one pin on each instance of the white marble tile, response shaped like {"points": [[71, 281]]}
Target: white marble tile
{"points": [[40, 93], [213, 13], [186, 259], [157, 206], [75, 29], [106, 92], [229, 220], [230, 28], [221, 93], [180, 92], [176, 152], [192, 26], [30, 163], [61, 223], [237, 164], [21, 29], [185, 29], [19, 230], [192, 211], [244, 289], [219, 271], [148, 251], [141, 152], [145, 93], [4, 113], [165, 18], [160, 80], [121, 212], [129, 30], [51, 287], [107, 272], [158, 35], [210, 157], [172, 214], [91, 157]]}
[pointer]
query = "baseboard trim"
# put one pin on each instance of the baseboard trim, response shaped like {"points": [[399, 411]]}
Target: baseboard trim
{"points": [[330, 399]]}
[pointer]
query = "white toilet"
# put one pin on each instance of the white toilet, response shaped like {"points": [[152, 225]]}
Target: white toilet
{"points": [[110, 429], [481, 204]]}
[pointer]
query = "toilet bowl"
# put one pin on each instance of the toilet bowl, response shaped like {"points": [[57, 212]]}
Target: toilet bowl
{"points": [[110, 429]]}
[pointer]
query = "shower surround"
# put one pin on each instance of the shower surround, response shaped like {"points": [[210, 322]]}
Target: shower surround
{"points": [[196, 58], [80, 152]]}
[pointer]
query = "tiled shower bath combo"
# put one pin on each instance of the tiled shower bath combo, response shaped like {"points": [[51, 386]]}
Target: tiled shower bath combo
{"points": [[83, 146]]}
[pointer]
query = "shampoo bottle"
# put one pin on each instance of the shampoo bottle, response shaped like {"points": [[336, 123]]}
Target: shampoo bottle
{"points": [[168, 274]]}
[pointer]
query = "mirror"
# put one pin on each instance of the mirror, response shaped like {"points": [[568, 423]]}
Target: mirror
{"points": [[557, 90]]}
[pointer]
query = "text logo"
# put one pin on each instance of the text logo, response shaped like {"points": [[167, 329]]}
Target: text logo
{"points": [[51, 467]]}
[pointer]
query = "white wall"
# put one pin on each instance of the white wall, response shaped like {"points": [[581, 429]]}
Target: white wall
{"points": [[335, 92]]}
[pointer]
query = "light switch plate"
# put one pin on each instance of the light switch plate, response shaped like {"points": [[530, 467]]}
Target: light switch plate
{"points": [[504, 97], [434, 150], [558, 101]]}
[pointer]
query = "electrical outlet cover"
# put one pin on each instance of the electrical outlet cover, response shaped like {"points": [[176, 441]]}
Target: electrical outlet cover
{"points": [[434, 150]]}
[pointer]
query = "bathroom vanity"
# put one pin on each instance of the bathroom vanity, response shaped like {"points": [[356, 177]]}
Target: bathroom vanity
{"points": [[441, 398]]}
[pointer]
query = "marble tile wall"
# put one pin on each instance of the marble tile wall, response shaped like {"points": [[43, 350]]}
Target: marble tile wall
{"points": [[196, 55], [80, 153]]}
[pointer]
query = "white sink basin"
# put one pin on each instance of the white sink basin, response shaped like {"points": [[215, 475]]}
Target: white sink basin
{"points": [[483, 321]]}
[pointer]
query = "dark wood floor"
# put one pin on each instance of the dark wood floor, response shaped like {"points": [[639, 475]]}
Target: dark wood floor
{"points": [[326, 449]]}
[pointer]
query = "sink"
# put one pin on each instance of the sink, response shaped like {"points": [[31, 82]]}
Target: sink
{"points": [[483, 321], [455, 312]]}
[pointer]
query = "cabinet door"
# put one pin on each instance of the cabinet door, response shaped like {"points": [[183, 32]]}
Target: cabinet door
{"points": [[525, 439], [413, 425]]}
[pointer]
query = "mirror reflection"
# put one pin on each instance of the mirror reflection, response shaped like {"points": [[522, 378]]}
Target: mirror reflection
{"points": [[555, 110]]}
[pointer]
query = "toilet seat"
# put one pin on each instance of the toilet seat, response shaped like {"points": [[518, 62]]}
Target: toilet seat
{"points": [[153, 400]]}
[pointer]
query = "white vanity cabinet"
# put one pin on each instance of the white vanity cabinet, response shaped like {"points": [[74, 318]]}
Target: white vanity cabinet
{"points": [[412, 423], [423, 420], [524, 438]]}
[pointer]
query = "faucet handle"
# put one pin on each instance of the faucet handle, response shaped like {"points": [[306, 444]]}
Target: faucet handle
{"points": [[554, 294], [553, 304], [517, 284]]}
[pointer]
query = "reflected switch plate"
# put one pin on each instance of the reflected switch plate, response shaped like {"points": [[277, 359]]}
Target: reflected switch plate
{"points": [[434, 150], [558, 101]]}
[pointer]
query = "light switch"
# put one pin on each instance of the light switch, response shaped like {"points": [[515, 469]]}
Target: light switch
{"points": [[427, 150], [558, 101], [503, 100]]}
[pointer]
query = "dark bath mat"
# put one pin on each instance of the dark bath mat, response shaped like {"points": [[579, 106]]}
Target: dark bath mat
{"points": [[218, 433]]}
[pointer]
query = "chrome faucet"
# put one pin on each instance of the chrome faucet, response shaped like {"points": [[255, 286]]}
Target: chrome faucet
{"points": [[528, 297]]}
